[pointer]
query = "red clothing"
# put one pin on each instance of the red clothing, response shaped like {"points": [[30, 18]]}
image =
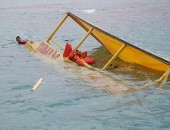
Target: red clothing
{"points": [[23, 42]]}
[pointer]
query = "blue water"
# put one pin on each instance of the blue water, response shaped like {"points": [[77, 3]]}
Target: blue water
{"points": [[68, 98]]}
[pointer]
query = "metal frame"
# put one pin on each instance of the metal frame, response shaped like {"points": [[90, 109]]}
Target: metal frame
{"points": [[57, 28], [84, 38], [81, 42], [163, 78], [50, 38], [114, 57]]}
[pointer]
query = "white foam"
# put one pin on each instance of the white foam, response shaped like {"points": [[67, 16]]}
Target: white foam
{"points": [[88, 11]]}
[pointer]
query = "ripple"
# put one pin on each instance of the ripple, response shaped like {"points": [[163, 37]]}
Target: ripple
{"points": [[22, 87], [71, 102], [28, 110], [14, 102]]}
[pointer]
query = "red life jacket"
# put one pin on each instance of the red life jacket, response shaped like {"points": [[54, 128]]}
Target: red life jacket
{"points": [[67, 50], [77, 56]]}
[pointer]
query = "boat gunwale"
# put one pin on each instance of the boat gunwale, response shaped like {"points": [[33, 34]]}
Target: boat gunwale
{"points": [[125, 42]]}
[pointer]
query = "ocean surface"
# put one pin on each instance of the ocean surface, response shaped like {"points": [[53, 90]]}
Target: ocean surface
{"points": [[73, 97]]}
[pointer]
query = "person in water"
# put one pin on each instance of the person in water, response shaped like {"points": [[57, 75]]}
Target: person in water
{"points": [[21, 41]]}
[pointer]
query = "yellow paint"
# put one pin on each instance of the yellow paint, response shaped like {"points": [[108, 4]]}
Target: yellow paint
{"points": [[163, 79], [57, 28], [37, 84], [114, 57], [130, 54], [84, 38], [30, 46], [87, 65]]}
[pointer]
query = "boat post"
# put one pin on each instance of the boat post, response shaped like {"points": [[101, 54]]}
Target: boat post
{"points": [[31, 47], [84, 38], [163, 78], [114, 57], [80, 43], [57, 28]]}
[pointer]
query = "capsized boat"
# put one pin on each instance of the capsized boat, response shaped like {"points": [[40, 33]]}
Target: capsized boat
{"points": [[116, 46]]}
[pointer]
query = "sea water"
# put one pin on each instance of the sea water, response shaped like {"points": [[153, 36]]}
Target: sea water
{"points": [[68, 98]]}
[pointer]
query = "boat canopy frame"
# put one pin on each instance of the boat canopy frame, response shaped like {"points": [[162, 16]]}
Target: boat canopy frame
{"points": [[120, 49]]}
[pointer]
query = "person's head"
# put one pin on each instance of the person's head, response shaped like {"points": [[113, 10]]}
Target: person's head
{"points": [[18, 39]]}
